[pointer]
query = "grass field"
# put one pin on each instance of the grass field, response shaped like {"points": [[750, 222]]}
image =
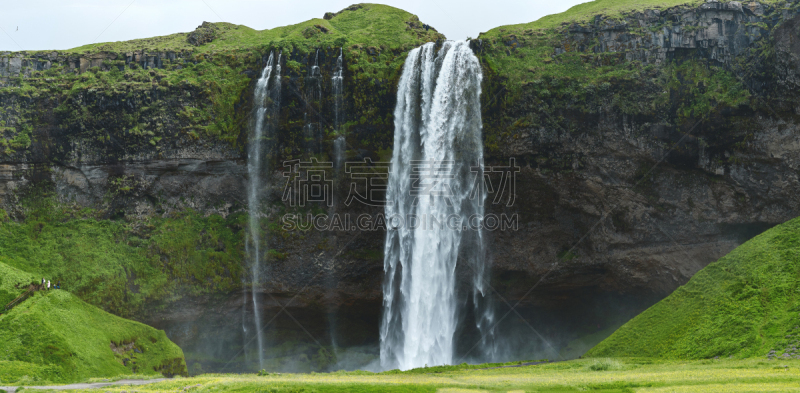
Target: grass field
{"points": [[596, 375]]}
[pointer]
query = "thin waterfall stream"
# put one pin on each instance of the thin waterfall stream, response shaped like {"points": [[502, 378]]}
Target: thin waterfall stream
{"points": [[266, 104], [313, 111], [339, 149], [340, 143]]}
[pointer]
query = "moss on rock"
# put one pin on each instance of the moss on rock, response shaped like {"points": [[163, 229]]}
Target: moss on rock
{"points": [[122, 266]]}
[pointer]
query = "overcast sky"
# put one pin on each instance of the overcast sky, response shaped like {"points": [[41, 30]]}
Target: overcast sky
{"points": [[64, 24]]}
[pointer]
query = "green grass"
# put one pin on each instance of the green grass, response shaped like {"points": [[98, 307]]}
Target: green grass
{"points": [[531, 58], [613, 10], [605, 364], [585, 12], [744, 305], [381, 28], [371, 24], [631, 375], [13, 282], [118, 265], [533, 53], [56, 337]]}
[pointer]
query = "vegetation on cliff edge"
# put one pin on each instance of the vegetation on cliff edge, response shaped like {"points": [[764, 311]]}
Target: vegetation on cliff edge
{"points": [[113, 104], [363, 24], [532, 86], [121, 266]]}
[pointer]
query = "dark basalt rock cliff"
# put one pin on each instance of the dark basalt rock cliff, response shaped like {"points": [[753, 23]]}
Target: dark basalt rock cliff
{"points": [[716, 31], [632, 182], [650, 145]]}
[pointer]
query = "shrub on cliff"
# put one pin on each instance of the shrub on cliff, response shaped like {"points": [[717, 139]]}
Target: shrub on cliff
{"points": [[744, 305], [203, 34]]}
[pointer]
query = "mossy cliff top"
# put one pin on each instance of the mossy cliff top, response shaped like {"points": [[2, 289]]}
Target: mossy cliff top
{"points": [[372, 36], [603, 32], [55, 337], [744, 305], [663, 62], [104, 95], [360, 24], [581, 13]]}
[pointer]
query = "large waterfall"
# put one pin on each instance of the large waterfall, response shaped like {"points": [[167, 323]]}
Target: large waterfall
{"points": [[437, 156], [266, 103]]}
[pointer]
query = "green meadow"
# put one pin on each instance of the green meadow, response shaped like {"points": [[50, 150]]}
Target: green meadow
{"points": [[593, 375]]}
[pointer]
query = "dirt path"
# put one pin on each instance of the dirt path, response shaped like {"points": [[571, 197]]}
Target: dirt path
{"points": [[13, 389]]}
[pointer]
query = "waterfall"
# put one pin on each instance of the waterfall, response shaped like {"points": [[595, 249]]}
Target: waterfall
{"points": [[437, 139], [338, 156], [313, 101], [339, 149], [266, 103], [339, 145]]}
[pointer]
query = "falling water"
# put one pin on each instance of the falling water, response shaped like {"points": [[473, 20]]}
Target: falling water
{"points": [[338, 90], [331, 280], [266, 103], [437, 140], [313, 98], [339, 149]]}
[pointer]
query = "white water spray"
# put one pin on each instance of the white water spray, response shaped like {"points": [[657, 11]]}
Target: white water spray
{"points": [[266, 103], [437, 139]]}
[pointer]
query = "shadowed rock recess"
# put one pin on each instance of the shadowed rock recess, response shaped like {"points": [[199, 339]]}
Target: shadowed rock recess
{"points": [[651, 142]]}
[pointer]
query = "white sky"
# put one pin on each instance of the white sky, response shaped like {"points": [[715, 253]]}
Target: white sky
{"points": [[52, 24]]}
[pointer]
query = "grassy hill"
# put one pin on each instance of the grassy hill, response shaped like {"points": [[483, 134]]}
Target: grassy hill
{"points": [[56, 337], [362, 24], [747, 304]]}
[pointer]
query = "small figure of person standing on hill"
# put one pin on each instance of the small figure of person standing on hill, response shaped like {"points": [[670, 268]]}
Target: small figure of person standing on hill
{"points": [[58, 284], [48, 285]]}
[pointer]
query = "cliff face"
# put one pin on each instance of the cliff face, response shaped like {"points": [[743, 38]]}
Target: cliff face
{"points": [[714, 30], [128, 161], [650, 143]]}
